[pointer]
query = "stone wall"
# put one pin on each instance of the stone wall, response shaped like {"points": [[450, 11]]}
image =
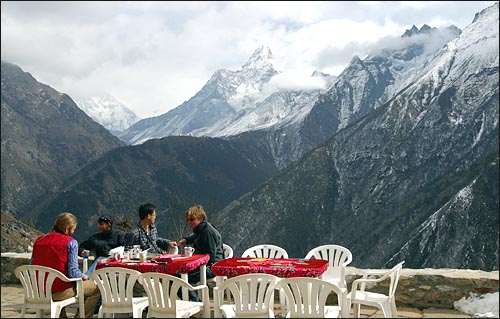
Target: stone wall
{"points": [[417, 288], [434, 288]]}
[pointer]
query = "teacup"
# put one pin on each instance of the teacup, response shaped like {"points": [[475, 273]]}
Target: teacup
{"points": [[188, 251]]}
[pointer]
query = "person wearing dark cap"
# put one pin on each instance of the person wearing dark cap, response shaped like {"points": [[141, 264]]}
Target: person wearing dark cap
{"points": [[102, 242]]}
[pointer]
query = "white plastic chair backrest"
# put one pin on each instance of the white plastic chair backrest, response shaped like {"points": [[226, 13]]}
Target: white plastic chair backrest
{"points": [[394, 273], [265, 251], [36, 288], [228, 251], [253, 294], [337, 256], [116, 285], [162, 291], [306, 297]]}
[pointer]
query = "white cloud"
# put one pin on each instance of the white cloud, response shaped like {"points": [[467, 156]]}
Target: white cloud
{"points": [[152, 56]]}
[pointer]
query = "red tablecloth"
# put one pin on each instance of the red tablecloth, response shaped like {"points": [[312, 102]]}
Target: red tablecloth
{"points": [[281, 267], [180, 265]]}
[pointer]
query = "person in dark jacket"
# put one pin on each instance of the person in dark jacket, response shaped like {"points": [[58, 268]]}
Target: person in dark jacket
{"points": [[102, 242], [205, 239]]}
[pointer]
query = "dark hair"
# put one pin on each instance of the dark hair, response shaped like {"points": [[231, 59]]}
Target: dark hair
{"points": [[105, 220], [145, 210]]}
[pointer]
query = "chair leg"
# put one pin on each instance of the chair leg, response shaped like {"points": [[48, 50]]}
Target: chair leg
{"points": [[55, 312], [345, 306], [394, 309], [23, 311], [357, 310], [386, 310], [282, 303]]}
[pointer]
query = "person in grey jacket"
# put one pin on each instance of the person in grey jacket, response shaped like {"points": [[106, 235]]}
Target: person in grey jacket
{"points": [[205, 239]]}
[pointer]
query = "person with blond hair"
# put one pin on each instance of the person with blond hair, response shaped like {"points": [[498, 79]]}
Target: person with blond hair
{"points": [[205, 239], [59, 250]]}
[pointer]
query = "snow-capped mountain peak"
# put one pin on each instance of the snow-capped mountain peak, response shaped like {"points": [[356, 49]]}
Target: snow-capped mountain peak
{"points": [[260, 59], [107, 111]]}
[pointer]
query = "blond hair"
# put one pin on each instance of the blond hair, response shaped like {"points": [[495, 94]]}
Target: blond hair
{"points": [[63, 221], [196, 212]]}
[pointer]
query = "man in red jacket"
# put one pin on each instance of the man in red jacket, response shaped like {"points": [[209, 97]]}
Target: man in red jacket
{"points": [[58, 250]]}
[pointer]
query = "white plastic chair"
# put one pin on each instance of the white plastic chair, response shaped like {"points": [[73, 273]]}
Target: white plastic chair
{"points": [[306, 297], [253, 296], [338, 258], [162, 294], [265, 251], [387, 303], [228, 253], [116, 285], [38, 295]]}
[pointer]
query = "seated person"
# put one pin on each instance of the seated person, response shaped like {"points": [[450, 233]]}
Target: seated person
{"points": [[145, 233], [205, 239], [102, 242], [59, 250]]}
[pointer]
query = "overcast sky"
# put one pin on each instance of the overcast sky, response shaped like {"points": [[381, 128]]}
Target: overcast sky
{"points": [[152, 56]]}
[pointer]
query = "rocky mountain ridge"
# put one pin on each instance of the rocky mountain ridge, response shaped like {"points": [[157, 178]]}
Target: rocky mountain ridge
{"points": [[379, 179], [45, 139]]}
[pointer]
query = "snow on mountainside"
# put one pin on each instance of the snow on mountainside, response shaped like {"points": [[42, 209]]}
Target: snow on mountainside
{"points": [[226, 93], [375, 185], [279, 109], [403, 58], [108, 112], [234, 102]]}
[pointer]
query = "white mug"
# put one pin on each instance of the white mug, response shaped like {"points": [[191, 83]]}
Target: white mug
{"points": [[188, 251]]}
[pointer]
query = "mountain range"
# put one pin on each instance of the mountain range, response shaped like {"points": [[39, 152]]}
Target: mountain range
{"points": [[396, 158], [402, 181], [291, 122], [45, 139]]}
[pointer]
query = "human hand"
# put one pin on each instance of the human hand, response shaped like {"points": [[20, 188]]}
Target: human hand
{"points": [[182, 242], [84, 253], [172, 244], [84, 276]]}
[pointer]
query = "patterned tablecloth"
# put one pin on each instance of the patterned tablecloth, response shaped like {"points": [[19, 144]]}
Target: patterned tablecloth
{"points": [[281, 267], [179, 265]]}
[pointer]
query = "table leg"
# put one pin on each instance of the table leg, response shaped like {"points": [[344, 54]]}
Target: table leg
{"points": [[203, 274], [184, 290], [203, 280]]}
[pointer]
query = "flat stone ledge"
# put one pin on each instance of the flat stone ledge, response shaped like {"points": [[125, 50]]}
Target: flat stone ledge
{"points": [[433, 288]]}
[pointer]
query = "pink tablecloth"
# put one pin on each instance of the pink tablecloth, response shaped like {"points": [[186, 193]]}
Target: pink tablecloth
{"points": [[281, 267], [181, 265]]}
